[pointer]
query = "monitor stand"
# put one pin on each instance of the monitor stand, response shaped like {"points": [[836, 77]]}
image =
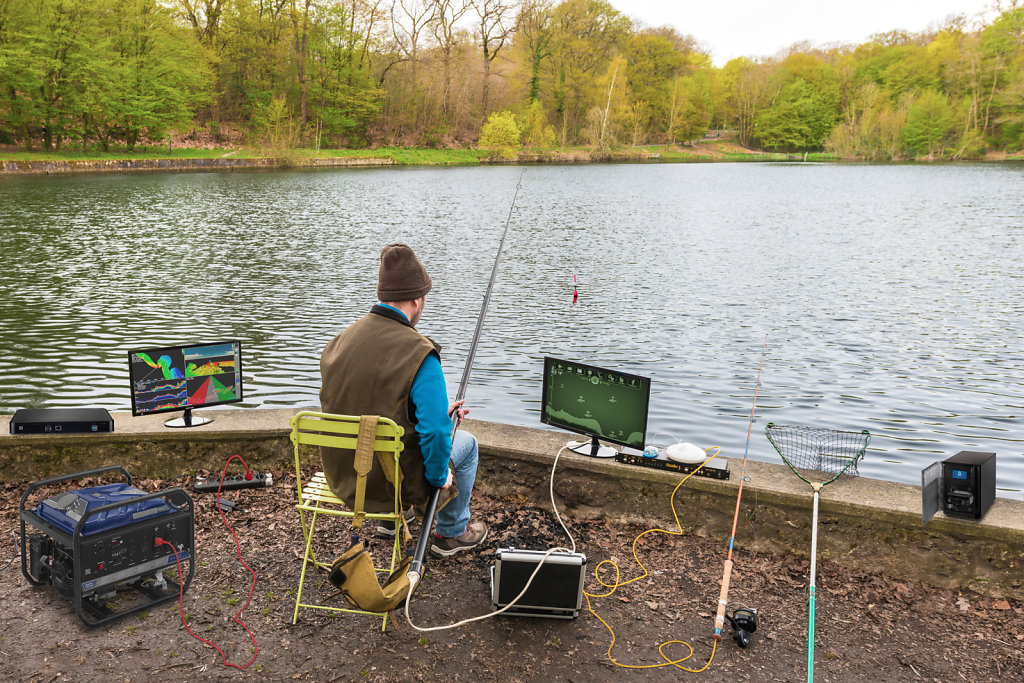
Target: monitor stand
{"points": [[187, 420], [594, 448]]}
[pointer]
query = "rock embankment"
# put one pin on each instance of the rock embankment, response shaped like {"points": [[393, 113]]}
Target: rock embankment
{"points": [[47, 167]]}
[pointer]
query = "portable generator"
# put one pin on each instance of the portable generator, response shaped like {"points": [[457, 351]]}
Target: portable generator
{"points": [[92, 542]]}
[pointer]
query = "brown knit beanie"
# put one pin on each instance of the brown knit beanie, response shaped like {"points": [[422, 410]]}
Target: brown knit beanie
{"points": [[401, 277]]}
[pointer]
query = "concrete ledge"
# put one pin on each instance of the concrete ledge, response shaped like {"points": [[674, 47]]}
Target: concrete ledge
{"points": [[865, 524]]}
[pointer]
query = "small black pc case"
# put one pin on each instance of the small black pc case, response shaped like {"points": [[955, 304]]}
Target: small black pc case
{"points": [[556, 592]]}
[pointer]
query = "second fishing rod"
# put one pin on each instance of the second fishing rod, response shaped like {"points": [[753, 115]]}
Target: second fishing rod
{"points": [[415, 572]]}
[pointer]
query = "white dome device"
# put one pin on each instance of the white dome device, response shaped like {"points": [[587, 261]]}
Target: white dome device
{"points": [[686, 453]]}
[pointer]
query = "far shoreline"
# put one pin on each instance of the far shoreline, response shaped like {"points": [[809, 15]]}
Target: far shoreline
{"points": [[714, 150]]}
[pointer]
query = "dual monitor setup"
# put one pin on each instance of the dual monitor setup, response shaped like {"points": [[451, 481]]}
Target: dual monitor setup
{"points": [[599, 403], [584, 399]]}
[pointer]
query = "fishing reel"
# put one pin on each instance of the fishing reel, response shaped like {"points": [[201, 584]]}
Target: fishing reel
{"points": [[744, 623]]}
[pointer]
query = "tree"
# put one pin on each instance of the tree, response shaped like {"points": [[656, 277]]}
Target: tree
{"points": [[929, 124], [691, 107], [204, 16], [534, 31], [652, 65], [536, 131], [345, 97], [587, 34], [447, 14], [21, 69], [500, 133], [799, 119], [156, 74], [493, 30]]}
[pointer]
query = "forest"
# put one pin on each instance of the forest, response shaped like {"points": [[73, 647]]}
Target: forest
{"points": [[512, 74]]}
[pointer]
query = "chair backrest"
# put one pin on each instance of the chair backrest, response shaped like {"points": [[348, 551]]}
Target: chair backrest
{"points": [[341, 431], [311, 428]]}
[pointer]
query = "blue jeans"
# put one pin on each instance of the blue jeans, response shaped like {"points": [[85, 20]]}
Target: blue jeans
{"points": [[452, 520]]}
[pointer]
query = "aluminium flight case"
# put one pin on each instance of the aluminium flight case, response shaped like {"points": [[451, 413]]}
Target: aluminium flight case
{"points": [[556, 591]]}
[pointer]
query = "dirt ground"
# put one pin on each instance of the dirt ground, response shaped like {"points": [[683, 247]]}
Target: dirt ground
{"points": [[868, 627]]}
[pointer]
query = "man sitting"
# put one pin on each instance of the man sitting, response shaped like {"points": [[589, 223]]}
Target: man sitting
{"points": [[381, 365]]}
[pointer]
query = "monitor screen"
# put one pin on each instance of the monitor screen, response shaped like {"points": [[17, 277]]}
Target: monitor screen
{"points": [[600, 403], [185, 377]]}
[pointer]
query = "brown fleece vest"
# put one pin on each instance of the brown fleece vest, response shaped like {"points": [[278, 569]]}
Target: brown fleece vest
{"points": [[368, 370]]}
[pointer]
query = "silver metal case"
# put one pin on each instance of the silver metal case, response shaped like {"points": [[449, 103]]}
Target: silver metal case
{"points": [[556, 592]]}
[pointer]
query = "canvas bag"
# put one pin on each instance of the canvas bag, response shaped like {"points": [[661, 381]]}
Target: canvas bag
{"points": [[353, 574]]}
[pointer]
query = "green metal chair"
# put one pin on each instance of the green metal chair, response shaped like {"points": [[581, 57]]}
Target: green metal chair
{"points": [[315, 496]]}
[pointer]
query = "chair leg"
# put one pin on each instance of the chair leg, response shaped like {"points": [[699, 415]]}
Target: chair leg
{"points": [[305, 564]]}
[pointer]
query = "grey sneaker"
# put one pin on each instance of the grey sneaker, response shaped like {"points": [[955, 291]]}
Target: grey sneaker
{"points": [[474, 535], [386, 528]]}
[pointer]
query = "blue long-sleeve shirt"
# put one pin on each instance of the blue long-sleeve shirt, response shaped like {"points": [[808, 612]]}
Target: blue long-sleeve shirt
{"points": [[429, 396]]}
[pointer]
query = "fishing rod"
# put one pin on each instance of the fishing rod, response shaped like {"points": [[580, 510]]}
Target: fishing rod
{"points": [[723, 597], [415, 572]]}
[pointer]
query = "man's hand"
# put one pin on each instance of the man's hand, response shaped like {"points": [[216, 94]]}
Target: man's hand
{"points": [[448, 482], [458, 406]]}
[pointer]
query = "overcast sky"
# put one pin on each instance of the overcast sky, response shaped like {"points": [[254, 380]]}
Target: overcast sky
{"points": [[759, 28]]}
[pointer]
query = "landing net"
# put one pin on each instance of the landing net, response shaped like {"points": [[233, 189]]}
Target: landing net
{"points": [[816, 453]]}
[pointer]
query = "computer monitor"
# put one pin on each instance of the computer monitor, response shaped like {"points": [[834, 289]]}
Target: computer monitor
{"points": [[602, 404], [184, 377]]}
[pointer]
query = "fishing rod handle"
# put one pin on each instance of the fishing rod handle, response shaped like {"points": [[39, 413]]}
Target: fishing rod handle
{"points": [[723, 600], [421, 544]]}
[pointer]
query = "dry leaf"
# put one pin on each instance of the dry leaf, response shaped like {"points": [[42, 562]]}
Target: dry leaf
{"points": [[963, 604], [652, 604], [1001, 604]]}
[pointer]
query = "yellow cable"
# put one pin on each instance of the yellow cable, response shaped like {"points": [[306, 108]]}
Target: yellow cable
{"points": [[614, 586]]}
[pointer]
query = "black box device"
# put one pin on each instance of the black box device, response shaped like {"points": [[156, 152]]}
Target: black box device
{"points": [[556, 591], [963, 485], [66, 420], [968, 484]]}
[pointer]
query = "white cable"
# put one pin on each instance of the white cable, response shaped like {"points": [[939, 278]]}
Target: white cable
{"points": [[551, 490]]}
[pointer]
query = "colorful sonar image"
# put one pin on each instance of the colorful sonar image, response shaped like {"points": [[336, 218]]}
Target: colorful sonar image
{"points": [[590, 400], [211, 374], [175, 378]]}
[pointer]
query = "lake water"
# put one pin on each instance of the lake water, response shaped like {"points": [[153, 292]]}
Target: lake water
{"points": [[890, 295]]}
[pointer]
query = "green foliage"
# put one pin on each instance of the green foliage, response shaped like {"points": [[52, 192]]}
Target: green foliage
{"points": [[345, 100], [536, 132], [105, 70], [801, 118], [690, 107], [501, 134], [872, 128], [275, 128], [121, 74], [929, 125]]}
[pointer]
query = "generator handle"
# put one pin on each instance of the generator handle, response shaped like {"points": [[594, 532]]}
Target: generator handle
{"points": [[68, 477], [165, 494]]}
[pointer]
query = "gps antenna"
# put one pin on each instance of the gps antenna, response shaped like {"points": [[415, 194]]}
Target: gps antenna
{"points": [[416, 567]]}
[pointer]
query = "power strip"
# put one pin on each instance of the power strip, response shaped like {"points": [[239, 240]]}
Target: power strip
{"points": [[259, 480]]}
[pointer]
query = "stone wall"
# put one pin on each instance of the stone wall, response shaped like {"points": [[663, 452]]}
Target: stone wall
{"points": [[221, 163], [864, 524]]}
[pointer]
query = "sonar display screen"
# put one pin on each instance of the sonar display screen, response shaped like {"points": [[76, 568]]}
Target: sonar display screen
{"points": [[181, 377], [597, 402]]}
